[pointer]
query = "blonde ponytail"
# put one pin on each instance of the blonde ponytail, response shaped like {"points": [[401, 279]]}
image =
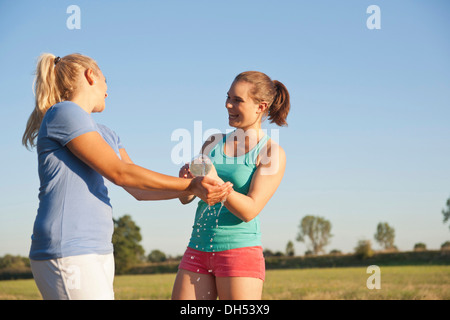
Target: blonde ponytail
{"points": [[46, 94], [55, 81]]}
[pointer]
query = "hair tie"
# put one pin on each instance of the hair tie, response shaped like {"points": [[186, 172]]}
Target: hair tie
{"points": [[57, 59]]}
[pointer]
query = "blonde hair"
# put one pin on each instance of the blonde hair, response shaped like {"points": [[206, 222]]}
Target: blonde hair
{"points": [[55, 81], [274, 93]]}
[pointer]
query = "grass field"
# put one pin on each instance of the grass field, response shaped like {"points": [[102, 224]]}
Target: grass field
{"points": [[399, 283]]}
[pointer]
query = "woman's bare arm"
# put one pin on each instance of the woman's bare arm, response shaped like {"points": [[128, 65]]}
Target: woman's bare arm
{"points": [[143, 195], [93, 150], [265, 182]]}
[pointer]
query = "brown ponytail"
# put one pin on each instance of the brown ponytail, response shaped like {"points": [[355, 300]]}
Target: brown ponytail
{"points": [[274, 93], [279, 109]]}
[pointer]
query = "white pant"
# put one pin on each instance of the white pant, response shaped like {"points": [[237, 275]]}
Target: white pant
{"points": [[84, 277]]}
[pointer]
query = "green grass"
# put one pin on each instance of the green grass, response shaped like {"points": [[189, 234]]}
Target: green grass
{"points": [[399, 282]]}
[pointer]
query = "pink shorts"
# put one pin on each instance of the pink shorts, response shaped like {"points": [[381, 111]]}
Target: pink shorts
{"points": [[240, 262]]}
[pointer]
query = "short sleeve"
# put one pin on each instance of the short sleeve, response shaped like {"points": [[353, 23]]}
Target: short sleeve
{"points": [[111, 137], [66, 121], [119, 143]]}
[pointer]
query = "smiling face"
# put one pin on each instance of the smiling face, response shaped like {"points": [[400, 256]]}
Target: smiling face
{"points": [[243, 112]]}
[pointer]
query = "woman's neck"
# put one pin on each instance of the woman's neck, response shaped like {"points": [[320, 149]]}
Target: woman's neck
{"points": [[242, 140], [253, 131], [83, 101]]}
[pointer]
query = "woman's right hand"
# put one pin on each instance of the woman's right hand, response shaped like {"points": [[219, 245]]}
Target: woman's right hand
{"points": [[210, 190]]}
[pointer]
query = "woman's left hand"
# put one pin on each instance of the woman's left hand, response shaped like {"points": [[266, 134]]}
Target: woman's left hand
{"points": [[209, 189], [213, 174]]}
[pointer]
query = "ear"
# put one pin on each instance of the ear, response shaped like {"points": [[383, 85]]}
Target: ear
{"points": [[90, 76], [262, 107]]}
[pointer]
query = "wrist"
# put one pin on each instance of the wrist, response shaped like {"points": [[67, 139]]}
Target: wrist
{"points": [[191, 185], [231, 194]]}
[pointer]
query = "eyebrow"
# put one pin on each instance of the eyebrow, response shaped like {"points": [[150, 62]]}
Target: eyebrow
{"points": [[228, 93]]}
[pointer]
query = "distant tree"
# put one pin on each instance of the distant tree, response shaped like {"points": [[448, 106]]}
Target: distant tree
{"points": [[363, 249], [445, 245], [317, 229], [270, 253], [446, 212], [385, 235], [290, 251], [156, 256], [126, 238], [336, 251], [14, 262], [420, 246]]}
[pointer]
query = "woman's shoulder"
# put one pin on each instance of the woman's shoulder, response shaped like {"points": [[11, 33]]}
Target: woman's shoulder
{"points": [[65, 111], [273, 145], [270, 151], [66, 106], [212, 141]]}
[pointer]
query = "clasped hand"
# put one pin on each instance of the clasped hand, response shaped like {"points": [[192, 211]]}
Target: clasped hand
{"points": [[209, 188]]}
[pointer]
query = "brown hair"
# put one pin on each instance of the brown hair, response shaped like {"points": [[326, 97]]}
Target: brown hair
{"points": [[55, 81], [274, 93]]}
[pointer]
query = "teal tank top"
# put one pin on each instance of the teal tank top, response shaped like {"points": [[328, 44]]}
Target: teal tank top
{"points": [[215, 228]]}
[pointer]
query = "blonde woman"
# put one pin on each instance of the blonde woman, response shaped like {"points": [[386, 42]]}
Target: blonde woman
{"points": [[224, 257], [71, 251]]}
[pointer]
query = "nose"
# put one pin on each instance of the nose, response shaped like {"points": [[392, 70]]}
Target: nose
{"points": [[228, 105]]}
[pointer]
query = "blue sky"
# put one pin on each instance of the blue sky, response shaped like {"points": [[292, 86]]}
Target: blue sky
{"points": [[368, 137]]}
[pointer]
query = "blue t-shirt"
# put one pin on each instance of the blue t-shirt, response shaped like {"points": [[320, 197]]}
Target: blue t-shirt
{"points": [[75, 214]]}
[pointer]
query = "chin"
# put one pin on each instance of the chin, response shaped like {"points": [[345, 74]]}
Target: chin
{"points": [[233, 124], [99, 109]]}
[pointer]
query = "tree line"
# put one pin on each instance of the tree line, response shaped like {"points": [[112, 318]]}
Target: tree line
{"points": [[318, 231], [314, 230]]}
